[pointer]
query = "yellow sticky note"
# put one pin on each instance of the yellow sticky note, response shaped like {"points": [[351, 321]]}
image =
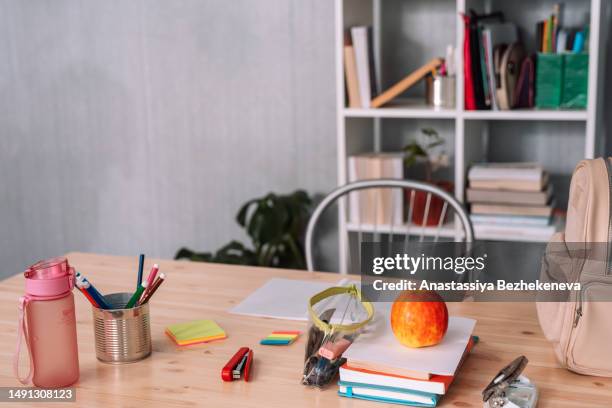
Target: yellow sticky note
{"points": [[198, 331]]}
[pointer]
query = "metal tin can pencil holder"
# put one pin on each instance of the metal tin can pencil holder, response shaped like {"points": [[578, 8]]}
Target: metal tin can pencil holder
{"points": [[122, 335]]}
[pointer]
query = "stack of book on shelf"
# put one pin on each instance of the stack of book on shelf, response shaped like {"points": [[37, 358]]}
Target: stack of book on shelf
{"points": [[359, 67], [376, 206], [510, 199], [379, 368]]}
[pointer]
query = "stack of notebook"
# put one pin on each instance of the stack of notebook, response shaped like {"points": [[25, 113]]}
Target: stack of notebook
{"points": [[510, 198], [379, 368]]}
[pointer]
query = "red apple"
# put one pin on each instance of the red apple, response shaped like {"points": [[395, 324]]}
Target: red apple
{"points": [[419, 318]]}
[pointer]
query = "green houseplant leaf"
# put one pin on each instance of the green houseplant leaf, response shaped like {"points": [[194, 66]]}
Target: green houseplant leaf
{"points": [[275, 225]]}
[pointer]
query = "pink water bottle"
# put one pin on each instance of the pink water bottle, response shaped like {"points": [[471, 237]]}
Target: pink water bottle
{"points": [[47, 322]]}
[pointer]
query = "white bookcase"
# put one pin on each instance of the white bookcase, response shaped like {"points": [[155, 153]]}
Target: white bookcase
{"points": [[407, 33]]}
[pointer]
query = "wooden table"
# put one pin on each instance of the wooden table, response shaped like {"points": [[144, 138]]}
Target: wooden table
{"points": [[184, 377]]}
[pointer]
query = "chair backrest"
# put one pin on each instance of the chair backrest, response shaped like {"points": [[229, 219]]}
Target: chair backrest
{"points": [[419, 196]]}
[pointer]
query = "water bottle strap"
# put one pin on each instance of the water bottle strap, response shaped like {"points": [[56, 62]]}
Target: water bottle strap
{"points": [[22, 331]]}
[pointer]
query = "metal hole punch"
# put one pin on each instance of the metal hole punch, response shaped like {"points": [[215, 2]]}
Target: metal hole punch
{"points": [[510, 389]]}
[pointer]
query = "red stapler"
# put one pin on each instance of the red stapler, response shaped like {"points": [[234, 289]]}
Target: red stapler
{"points": [[238, 366]]}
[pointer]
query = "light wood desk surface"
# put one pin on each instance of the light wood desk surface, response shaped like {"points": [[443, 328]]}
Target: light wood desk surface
{"points": [[189, 377]]}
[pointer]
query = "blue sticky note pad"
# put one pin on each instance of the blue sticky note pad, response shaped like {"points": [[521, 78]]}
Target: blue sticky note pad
{"points": [[274, 342]]}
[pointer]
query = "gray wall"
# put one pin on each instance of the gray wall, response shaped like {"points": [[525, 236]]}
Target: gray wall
{"points": [[141, 126], [129, 126]]}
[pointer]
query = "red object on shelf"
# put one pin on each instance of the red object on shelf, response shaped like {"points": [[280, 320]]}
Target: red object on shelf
{"points": [[435, 205], [469, 95]]}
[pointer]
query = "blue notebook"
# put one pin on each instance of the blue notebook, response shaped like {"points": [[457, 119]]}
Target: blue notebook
{"points": [[387, 394]]}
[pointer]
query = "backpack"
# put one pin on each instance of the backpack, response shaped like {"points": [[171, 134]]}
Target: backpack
{"points": [[580, 328]]}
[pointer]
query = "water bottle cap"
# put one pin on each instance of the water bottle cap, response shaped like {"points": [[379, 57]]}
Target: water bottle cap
{"points": [[48, 269], [49, 278]]}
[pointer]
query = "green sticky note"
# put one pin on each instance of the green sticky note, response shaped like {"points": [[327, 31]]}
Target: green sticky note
{"points": [[197, 331]]}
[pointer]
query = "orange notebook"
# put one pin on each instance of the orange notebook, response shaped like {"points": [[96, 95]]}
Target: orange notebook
{"points": [[437, 384]]}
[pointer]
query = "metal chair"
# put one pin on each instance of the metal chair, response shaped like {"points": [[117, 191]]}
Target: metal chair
{"points": [[465, 234]]}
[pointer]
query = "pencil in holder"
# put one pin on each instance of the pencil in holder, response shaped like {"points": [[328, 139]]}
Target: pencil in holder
{"points": [[122, 335]]}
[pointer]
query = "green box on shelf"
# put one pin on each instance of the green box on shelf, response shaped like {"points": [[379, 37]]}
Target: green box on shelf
{"points": [[549, 77], [575, 80]]}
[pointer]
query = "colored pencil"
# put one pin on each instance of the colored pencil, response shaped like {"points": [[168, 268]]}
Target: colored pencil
{"points": [[152, 274], [132, 302], [86, 294], [91, 289], [150, 279], [160, 279], [140, 269]]}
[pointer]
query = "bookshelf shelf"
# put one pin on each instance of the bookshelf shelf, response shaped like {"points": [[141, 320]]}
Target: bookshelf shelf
{"points": [[402, 109], [535, 114], [424, 112], [403, 40], [488, 236], [446, 231]]}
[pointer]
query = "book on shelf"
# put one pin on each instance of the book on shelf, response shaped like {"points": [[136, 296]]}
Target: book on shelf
{"points": [[519, 220], [542, 197], [496, 36], [350, 72], [506, 171], [376, 205], [514, 185], [508, 176], [361, 37], [509, 209], [511, 200], [497, 231]]}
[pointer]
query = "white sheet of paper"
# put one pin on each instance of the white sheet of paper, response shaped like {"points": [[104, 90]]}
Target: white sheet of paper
{"points": [[281, 299], [379, 346]]}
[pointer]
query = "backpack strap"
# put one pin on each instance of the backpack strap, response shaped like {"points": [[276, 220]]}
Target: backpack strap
{"points": [[22, 331]]}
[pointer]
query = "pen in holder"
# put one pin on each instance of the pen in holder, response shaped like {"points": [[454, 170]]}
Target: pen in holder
{"points": [[122, 335]]}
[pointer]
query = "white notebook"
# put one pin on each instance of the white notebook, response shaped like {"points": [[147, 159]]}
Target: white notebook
{"points": [[282, 299], [379, 346]]}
